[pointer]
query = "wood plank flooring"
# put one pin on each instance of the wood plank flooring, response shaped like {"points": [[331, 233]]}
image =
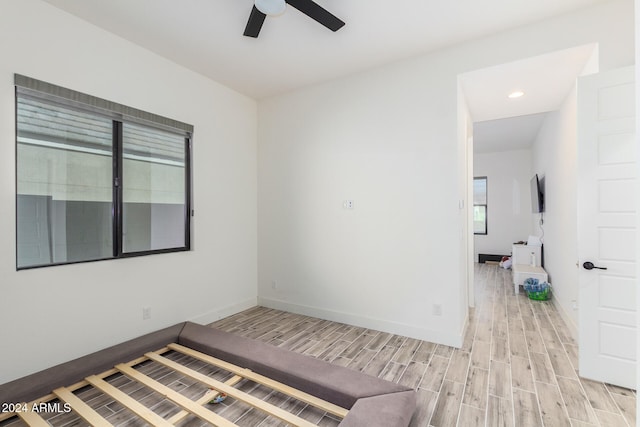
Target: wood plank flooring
{"points": [[517, 366]]}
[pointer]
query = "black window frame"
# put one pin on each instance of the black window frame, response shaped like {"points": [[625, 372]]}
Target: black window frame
{"points": [[119, 114], [486, 210]]}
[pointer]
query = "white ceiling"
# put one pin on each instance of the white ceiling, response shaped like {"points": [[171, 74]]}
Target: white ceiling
{"points": [[514, 133], [502, 123], [292, 50], [545, 80]]}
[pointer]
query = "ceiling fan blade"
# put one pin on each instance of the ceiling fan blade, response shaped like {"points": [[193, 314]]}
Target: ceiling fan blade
{"points": [[254, 24], [318, 13]]}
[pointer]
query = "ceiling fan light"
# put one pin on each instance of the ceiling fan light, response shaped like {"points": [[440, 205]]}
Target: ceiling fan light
{"points": [[271, 7]]}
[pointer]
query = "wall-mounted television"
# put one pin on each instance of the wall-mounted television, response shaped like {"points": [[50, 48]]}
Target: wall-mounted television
{"points": [[537, 195]]}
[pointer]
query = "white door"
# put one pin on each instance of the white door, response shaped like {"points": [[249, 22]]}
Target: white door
{"points": [[607, 227]]}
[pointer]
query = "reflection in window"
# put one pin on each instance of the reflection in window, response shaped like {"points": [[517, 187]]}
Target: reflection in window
{"points": [[92, 182], [154, 191], [480, 205], [64, 195]]}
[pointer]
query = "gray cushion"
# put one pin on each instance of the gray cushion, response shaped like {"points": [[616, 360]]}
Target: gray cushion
{"points": [[41, 383], [336, 384], [393, 409]]}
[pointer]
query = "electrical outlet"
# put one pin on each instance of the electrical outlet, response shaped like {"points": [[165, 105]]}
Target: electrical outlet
{"points": [[146, 313], [347, 204], [274, 284], [437, 309]]}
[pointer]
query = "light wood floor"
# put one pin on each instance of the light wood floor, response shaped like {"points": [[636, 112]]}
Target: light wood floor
{"points": [[517, 367]]}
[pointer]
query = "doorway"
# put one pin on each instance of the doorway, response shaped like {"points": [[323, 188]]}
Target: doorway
{"points": [[552, 155]]}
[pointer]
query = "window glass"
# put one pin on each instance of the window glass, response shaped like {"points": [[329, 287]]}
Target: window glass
{"points": [[480, 219], [154, 191], [92, 182], [480, 191], [64, 190], [480, 205]]}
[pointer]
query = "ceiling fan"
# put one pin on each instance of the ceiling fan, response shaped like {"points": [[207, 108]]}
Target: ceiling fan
{"points": [[262, 8]]}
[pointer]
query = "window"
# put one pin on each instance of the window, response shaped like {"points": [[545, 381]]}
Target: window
{"points": [[95, 179], [480, 205]]}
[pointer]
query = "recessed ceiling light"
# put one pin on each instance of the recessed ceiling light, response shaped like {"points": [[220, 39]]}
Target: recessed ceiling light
{"points": [[516, 94]]}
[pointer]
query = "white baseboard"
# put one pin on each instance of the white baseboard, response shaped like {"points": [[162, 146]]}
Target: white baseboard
{"points": [[573, 328], [403, 329], [220, 313]]}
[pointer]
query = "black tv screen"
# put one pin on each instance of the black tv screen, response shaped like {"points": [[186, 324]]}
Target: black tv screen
{"points": [[537, 197]]}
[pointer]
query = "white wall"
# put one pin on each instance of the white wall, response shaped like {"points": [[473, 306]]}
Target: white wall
{"points": [[637, 15], [554, 158], [388, 139], [509, 200], [54, 314], [465, 191]]}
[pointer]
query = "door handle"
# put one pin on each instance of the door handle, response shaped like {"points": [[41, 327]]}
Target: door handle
{"points": [[589, 266]]}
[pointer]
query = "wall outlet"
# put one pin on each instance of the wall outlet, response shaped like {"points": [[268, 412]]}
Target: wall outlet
{"points": [[437, 309], [274, 284], [574, 304], [347, 204], [146, 313]]}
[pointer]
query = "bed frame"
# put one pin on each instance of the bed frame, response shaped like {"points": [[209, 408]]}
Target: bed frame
{"points": [[358, 400]]}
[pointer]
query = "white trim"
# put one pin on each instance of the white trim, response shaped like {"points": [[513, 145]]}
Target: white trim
{"points": [[573, 328], [366, 322], [221, 313]]}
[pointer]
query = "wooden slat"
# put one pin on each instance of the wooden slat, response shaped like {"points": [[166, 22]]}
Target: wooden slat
{"points": [[142, 411], [235, 393], [33, 419], [185, 402], [81, 408], [113, 371], [208, 396], [266, 381], [6, 416], [83, 383]]}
